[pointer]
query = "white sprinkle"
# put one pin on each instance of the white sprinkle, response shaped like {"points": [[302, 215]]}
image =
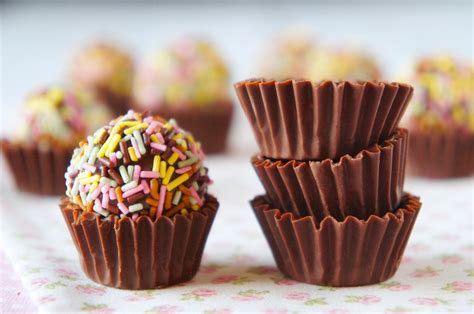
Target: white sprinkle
{"points": [[75, 187], [130, 171], [141, 146], [93, 155], [130, 185], [108, 181], [135, 207], [124, 174], [118, 155]]}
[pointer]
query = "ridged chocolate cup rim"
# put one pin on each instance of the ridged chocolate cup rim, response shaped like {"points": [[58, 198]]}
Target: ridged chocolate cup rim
{"points": [[409, 203], [211, 204], [270, 82], [260, 160]]}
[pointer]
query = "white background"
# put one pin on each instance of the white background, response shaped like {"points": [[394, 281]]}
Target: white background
{"points": [[38, 37]]}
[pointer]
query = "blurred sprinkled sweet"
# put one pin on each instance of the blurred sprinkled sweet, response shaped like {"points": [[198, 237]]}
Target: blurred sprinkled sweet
{"points": [[59, 116], [107, 71], [444, 97], [343, 64], [288, 56], [190, 72], [138, 165]]}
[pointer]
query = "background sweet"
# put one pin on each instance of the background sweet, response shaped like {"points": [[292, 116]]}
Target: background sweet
{"points": [[106, 70], [188, 80], [442, 118]]}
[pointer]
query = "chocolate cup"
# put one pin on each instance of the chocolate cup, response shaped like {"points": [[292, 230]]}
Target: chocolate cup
{"points": [[210, 124], [37, 170], [369, 183], [440, 155], [298, 119], [340, 254], [141, 254]]}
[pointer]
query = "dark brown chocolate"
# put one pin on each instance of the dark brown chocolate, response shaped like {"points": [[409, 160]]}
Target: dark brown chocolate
{"points": [[302, 120], [340, 254], [141, 254], [36, 170], [209, 125], [441, 155], [369, 183]]}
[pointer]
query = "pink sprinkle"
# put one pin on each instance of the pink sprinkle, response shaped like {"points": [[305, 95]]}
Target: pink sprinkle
{"points": [[113, 159], [193, 149], [95, 194], [151, 127], [162, 200], [183, 170], [105, 200], [146, 187], [134, 217], [157, 146], [196, 196], [148, 119], [87, 187], [133, 191], [123, 208], [135, 147], [160, 138], [104, 189], [89, 167], [82, 188], [136, 173], [73, 174], [180, 153], [150, 174], [112, 194]]}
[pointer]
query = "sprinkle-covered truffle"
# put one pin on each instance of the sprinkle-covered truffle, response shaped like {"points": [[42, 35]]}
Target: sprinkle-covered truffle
{"points": [[444, 98], [343, 64], [190, 72], [57, 116], [103, 66], [138, 165]]}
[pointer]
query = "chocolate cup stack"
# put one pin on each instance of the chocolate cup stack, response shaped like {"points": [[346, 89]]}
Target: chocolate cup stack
{"points": [[332, 163]]}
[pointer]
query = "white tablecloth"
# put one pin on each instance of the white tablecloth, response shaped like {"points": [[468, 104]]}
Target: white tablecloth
{"points": [[238, 272]]}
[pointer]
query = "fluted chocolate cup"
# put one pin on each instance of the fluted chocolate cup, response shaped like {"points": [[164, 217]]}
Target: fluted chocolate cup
{"points": [[441, 155], [36, 170], [302, 120], [369, 183], [341, 254], [142, 254], [210, 124]]}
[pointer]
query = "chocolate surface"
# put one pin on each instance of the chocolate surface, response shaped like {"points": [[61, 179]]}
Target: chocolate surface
{"points": [[141, 254], [340, 254], [370, 182], [37, 171], [302, 120], [440, 155]]}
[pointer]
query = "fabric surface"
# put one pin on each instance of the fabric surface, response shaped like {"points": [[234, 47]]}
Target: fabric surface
{"points": [[238, 272]]}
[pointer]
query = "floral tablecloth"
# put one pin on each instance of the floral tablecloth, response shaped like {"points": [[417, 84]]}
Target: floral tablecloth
{"points": [[238, 272]]}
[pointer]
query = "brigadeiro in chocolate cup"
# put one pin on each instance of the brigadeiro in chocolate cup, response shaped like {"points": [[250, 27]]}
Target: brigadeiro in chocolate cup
{"points": [[353, 252], [369, 183], [441, 119], [302, 120], [188, 81], [52, 123], [106, 70], [137, 205]]}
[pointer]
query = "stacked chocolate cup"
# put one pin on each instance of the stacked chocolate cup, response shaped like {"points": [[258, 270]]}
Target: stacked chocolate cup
{"points": [[332, 162]]}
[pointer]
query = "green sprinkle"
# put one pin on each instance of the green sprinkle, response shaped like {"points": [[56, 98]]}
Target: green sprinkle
{"points": [[177, 198]]}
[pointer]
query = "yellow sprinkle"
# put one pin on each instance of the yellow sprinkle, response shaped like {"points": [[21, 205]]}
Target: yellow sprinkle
{"points": [[132, 154], [130, 130], [104, 147], [97, 139], [88, 180], [93, 186], [184, 212], [173, 158], [195, 207], [113, 144], [179, 180], [156, 163], [167, 125], [162, 169], [178, 136], [130, 123], [85, 174], [184, 145], [169, 173], [153, 138]]}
